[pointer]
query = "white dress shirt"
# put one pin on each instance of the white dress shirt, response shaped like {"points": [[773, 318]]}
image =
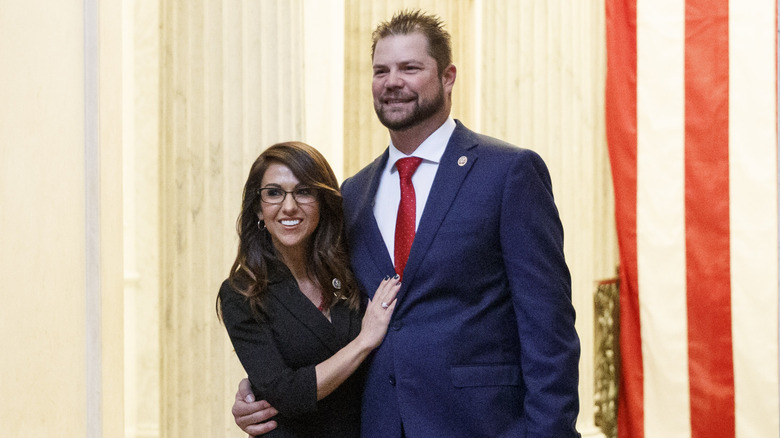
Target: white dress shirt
{"points": [[388, 195]]}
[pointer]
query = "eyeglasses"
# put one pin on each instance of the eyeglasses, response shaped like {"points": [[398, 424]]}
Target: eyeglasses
{"points": [[275, 195]]}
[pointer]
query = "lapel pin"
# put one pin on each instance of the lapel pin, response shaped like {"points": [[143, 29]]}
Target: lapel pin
{"points": [[462, 161]]}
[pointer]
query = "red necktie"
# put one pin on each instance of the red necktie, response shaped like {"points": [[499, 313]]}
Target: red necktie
{"points": [[404, 225]]}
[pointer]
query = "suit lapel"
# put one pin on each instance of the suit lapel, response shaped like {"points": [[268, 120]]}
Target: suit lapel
{"points": [[455, 164], [370, 236], [332, 335]]}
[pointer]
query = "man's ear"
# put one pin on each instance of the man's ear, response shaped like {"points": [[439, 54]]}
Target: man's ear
{"points": [[448, 78]]}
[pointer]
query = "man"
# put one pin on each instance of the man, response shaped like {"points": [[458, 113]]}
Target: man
{"points": [[482, 341]]}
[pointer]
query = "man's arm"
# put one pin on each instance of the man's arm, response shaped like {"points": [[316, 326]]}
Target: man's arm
{"points": [[253, 417], [532, 238]]}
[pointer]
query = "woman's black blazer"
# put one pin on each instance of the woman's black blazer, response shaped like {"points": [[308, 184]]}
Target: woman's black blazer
{"points": [[279, 349]]}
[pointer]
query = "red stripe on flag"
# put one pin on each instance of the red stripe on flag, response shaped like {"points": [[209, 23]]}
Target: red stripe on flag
{"points": [[621, 113], [710, 358]]}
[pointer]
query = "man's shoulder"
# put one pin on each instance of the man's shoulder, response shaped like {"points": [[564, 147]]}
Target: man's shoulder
{"points": [[489, 145], [364, 176]]}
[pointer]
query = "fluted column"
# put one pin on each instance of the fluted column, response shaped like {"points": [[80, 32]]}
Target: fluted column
{"points": [[231, 85], [141, 188]]}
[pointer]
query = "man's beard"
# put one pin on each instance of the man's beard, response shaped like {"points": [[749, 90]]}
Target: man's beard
{"points": [[419, 114]]}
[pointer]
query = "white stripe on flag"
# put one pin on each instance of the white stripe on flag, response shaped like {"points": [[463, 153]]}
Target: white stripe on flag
{"points": [[661, 256], [753, 193]]}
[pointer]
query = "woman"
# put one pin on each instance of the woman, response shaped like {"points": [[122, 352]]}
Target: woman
{"points": [[291, 305]]}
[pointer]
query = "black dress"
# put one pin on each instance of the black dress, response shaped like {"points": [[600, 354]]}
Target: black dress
{"points": [[279, 349]]}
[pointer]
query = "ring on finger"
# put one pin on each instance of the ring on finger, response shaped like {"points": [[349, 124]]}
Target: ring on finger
{"points": [[385, 305]]}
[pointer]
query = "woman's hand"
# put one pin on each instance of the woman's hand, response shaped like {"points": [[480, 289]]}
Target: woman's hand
{"points": [[378, 312], [334, 371]]}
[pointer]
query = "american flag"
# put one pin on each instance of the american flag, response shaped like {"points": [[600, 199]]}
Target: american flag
{"points": [[692, 133]]}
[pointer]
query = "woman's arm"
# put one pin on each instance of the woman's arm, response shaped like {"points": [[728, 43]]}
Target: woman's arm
{"points": [[334, 371], [296, 391], [292, 391]]}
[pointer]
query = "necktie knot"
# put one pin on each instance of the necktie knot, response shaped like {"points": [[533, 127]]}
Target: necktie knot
{"points": [[407, 166]]}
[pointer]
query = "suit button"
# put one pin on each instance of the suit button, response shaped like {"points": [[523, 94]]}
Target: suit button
{"points": [[392, 380], [396, 325]]}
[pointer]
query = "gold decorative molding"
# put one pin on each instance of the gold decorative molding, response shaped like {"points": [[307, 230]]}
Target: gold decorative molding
{"points": [[606, 330]]}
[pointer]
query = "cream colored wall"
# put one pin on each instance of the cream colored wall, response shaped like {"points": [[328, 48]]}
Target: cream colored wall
{"points": [[194, 90], [42, 220], [60, 183]]}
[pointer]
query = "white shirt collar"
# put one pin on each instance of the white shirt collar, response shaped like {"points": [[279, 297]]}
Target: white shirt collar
{"points": [[429, 150]]}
